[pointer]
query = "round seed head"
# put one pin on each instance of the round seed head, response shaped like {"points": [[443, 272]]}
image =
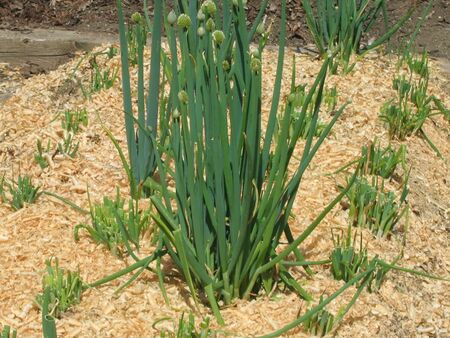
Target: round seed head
{"points": [[210, 25], [226, 66], [171, 17], [136, 17], [201, 31], [209, 7], [183, 97], [176, 114], [255, 65], [218, 37], [255, 52], [261, 28], [184, 21], [200, 15], [291, 97]]}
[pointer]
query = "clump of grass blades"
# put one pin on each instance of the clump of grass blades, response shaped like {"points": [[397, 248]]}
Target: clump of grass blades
{"points": [[321, 323], [73, 120], [346, 260], [406, 114], [7, 332], [42, 155], [340, 26], [64, 289], [297, 98], [372, 207], [67, 146], [113, 226], [186, 328], [21, 192], [382, 161]]}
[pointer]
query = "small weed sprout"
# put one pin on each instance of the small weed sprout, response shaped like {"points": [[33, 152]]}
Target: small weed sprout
{"points": [[101, 78], [113, 226], [298, 98], [374, 208], [346, 260], [406, 114], [41, 156], [6, 332], [382, 161], [66, 146], [186, 328], [65, 288], [321, 323], [74, 119], [21, 192]]}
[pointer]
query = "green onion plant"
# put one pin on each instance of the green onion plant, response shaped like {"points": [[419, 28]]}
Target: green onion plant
{"points": [[382, 161], [186, 328], [340, 27], [21, 192], [321, 323], [64, 288], [110, 219], [371, 206], [135, 42], [41, 156], [73, 120], [67, 146], [346, 260], [406, 114]]}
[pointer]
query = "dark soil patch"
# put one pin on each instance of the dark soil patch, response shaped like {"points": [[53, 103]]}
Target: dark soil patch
{"points": [[100, 15]]}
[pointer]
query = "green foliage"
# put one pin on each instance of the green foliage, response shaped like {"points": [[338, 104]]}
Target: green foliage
{"points": [[340, 26], [20, 193], [224, 222], [321, 323], [41, 154], [6, 332], [382, 161], [151, 101], [64, 288], [74, 119], [297, 99], [406, 114], [111, 225], [101, 78], [346, 260], [186, 328], [136, 37], [370, 206], [67, 146]]}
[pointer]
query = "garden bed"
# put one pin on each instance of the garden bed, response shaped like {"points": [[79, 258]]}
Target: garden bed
{"points": [[406, 305]]}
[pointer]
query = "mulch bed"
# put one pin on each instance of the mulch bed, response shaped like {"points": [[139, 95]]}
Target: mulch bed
{"points": [[406, 306]]}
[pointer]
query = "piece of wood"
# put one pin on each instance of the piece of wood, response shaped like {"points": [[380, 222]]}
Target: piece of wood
{"points": [[45, 49]]}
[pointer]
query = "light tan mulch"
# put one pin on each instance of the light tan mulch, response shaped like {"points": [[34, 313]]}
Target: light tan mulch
{"points": [[406, 306]]}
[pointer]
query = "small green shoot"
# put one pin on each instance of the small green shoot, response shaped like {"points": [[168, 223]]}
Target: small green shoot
{"points": [[114, 226], [374, 208], [21, 192], [186, 328], [41, 156], [7, 332], [382, 161], [64, 287], [67, 146], [406, 114], [74, 119], [101, 78], [346, 260], [321, 323]]}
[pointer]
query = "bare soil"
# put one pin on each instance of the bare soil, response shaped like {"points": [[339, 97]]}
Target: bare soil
{"points": [[100, 16]]}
